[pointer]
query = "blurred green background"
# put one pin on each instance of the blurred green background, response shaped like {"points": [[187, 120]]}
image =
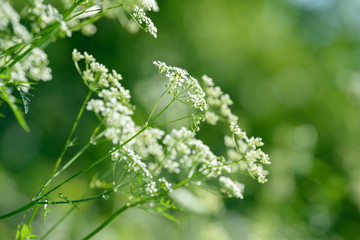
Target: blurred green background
{"points": [[292, 68]]}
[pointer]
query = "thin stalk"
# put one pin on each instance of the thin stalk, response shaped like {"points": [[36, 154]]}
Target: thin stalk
{"points": [[19, 210], [162, 111], [100, 160], [69, 212], [37, 199], [93, 10], [157, 102], [96, 162], [114, 216], [66, 146], [90, 20], [176, 120], [78, 200]]}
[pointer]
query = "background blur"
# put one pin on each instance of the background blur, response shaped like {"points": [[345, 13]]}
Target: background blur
{"points": [[292, 68]]}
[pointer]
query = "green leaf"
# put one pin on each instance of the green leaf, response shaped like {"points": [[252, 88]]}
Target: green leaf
{"points": [[26, 99], [24, 232], [168, 216], [164, 206], [18, 114], [67, 199]]}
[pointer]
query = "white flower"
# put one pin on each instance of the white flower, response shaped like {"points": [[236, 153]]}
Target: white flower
{"points": [[89, 58], [180, 82], [114, 103], [236, 130], [211, 117], [140, 16], [254, 142], [95, 105], [208, 81], [184, 152], [151, 5], [41, 15], [76, 55], [231, 188]]}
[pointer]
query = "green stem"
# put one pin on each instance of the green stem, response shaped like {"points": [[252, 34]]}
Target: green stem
{"points": [[88, 21], [179, 119], [70, 211], [162, 111], [114, 216], [96, 162], [66, 146], [157, 102], [100, 160], [19, 210], [37, 199], [78, 200], [93, 10], [54, 172]]}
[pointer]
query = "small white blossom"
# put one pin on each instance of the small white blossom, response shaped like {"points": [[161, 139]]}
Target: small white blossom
{"points": [[76, 55], [236, 130], [41, 15], [89, 30], [95, 105], [254, 142], [180, 82], [151, 5], [211, 118], [140, 16], [208, 81], [89, 58], [231, 188]]}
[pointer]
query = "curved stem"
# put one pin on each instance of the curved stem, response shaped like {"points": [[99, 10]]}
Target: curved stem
{"points": [[54, 172], [162, 111], [114, 216], [70, 211], [67, 144], [109, 154], [78, 200], [19, 210], [176, 120], [157, 102], [37, 199]]}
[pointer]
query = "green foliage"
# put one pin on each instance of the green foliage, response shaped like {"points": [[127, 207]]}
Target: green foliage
{"points": [[25, 96], [24, 232], [14, 108]]}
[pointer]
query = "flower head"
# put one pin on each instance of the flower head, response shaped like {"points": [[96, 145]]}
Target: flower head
{"points": [[182, 85]]}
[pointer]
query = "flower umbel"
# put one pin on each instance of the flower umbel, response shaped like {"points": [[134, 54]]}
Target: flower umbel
{"points": [[182, 86]]}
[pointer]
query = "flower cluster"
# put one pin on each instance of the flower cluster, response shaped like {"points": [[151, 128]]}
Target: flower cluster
{"points": [[246, 151], [231, 188], [35, 65], [114, 100], [177, 153], [41, 15], [182, 86], [148, 145], [218, 101], [139, 16], [135, 169], [150, 5], [186, 153]]}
